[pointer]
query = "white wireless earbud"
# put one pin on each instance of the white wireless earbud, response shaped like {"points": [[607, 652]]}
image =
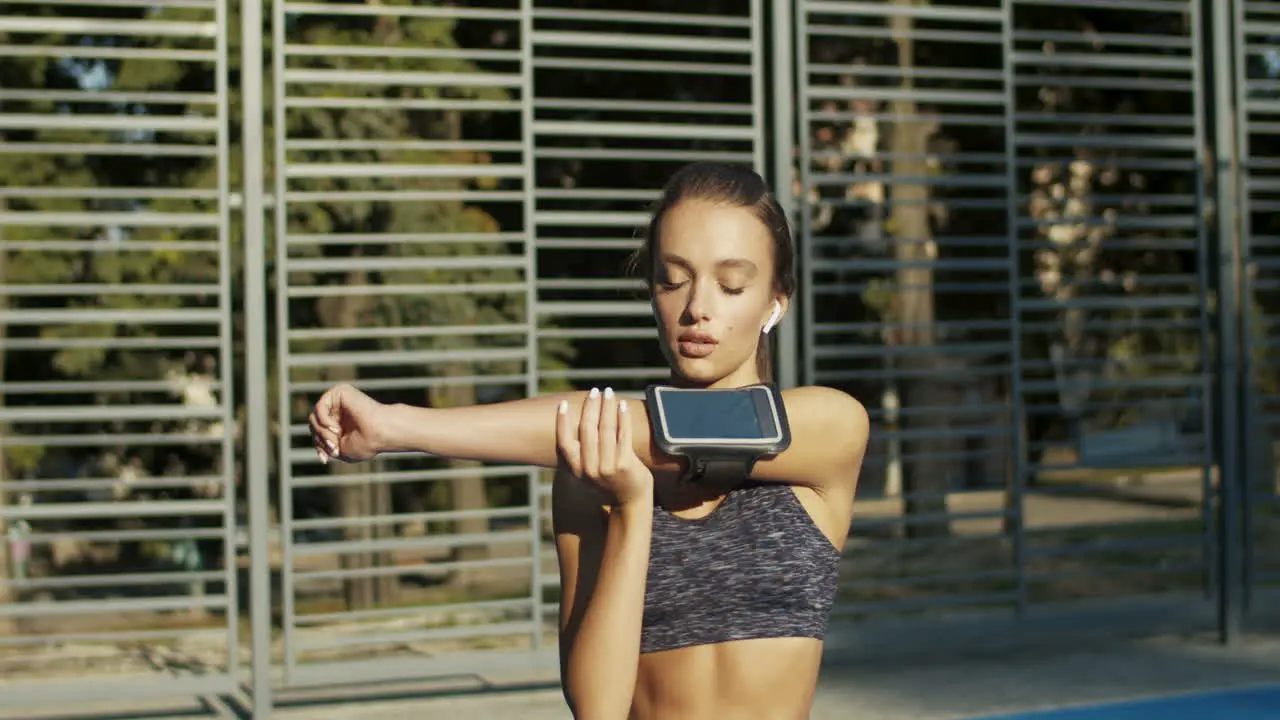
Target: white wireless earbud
{"points": [[773, 319]]}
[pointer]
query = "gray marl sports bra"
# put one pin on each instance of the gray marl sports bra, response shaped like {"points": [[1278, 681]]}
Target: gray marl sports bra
{"points": [[756, 567]]}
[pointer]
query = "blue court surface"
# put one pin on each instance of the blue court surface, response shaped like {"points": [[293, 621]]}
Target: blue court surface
{"points": [[1257, 703]]}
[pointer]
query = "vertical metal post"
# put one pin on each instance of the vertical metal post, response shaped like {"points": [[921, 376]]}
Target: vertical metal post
{"points": [[1209, 545], [1226, 178], [787, 334], [1017, 413], [533, 384], [284, 389], [257, 430], [1239, 51], [226, 328], [807, 338]]}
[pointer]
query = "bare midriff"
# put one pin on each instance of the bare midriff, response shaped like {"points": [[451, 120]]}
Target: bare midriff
{"points": [[766, 679]]}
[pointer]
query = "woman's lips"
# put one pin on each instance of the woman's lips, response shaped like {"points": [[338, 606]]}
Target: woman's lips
{"points": [[696, 345]]}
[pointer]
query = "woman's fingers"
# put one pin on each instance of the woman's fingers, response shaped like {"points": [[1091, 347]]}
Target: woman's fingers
{"points": [[589, 435], [626, 451], [567, 439], [608, 434]]}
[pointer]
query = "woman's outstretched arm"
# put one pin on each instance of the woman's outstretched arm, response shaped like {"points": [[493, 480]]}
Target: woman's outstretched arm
{"points": [[829, 432]]}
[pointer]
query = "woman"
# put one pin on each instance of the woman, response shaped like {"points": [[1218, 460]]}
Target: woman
{"points": [[678, 600]]}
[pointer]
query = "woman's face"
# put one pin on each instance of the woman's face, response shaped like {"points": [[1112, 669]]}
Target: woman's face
{"points": [[713, 291]]}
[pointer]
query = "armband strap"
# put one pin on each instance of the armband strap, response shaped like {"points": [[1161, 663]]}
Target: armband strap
{"points": [[719, 470]]}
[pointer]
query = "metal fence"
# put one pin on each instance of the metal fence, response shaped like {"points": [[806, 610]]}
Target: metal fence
{"points": [[1031, 233]]}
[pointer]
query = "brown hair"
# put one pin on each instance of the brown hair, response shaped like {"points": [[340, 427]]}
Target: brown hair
{"points": [[738, 187]]}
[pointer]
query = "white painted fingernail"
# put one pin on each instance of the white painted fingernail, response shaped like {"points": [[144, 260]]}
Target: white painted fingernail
{"points": [[622, 406], [324, 459], [594, 392], [608, 393], [564, 407]]}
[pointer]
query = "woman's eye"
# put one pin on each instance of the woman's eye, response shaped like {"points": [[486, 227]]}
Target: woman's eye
{"points": [[732, 290]]}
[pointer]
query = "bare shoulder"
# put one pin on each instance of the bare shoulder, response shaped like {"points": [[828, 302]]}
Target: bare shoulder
{"points": [[839, 412], [829, 435]]}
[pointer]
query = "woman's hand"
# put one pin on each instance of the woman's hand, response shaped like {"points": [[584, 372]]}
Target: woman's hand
{"points": [[348, 425], [597, 447]]}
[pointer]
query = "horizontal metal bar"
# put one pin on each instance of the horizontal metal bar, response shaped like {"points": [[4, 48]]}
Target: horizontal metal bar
{"points": [[394, 103], [400, 11], [165, 508], [387, 263], [1112, 140], [113, 53], [106, 413], [420, 238], [699, 20], [135, 343], [641, 106], [93, 386], [429, 542], [894, 71], [151, 482], [1177, 7], [384, 52], [119, 193], [109, 149], [595, 309], [663, 67], [86, 316], [886, 33], [400, 170], [154, 439], [387, 196], [589, 218], [955, 97], [115, 248], [879, 10], [145, 4], [1129, 61], [187, 533], [83, 121], [407, 332], [642, 155], [406, 357], [638, 41], [115, 638], [404, 78], [112, 606], [105, 26], [109, 289], [122, 219], [404, 289], [665, 131]]}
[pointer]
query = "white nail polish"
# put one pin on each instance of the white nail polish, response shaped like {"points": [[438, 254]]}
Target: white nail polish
{"points": [[595, 392], [564, 407], [622, 406], [608, 393]]}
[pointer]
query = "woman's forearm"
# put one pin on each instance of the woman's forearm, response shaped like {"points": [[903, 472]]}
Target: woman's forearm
{"points": [[600, 675], [518, 432]]}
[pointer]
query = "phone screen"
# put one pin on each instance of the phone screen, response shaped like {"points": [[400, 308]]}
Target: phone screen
{"points": [[718, 415]]}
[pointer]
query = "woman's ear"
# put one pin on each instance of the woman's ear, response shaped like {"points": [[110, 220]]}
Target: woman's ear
{"points": [[774, 318]]}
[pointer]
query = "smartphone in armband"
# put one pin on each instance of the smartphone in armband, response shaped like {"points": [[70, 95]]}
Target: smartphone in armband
{"points": [[720, 432]]}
